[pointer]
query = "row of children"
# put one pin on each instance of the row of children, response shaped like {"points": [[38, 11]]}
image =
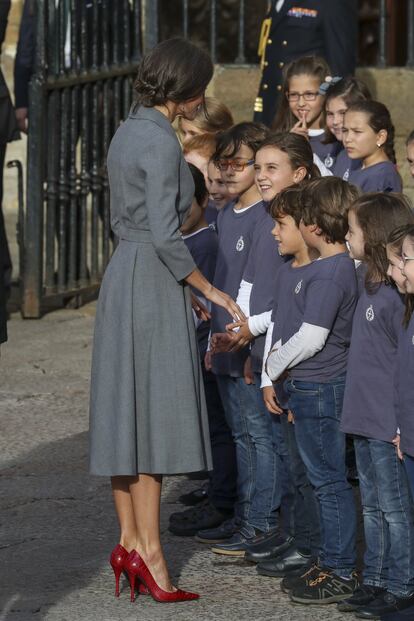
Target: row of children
{"points": [[285, 386]]}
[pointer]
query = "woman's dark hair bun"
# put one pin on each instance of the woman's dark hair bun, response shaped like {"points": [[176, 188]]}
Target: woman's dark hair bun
{"points": [[174, 70]]}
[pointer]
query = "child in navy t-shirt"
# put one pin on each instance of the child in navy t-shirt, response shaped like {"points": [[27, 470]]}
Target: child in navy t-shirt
{"points": [[236, 225], [313, 336], [370, 415], [201, 240], [405, 360], [369, 136]]}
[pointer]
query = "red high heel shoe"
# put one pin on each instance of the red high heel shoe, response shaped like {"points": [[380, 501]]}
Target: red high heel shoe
{"points": [[136, 568], [117, 559]]}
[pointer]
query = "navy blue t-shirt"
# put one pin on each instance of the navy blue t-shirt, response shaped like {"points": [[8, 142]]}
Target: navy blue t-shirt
{"points": [[211, 213], [369, 401], [235, 236], [344, 165], [261, 270], [405, 388], [323, 293], [326, 152], [203, 245], [382, 177]]}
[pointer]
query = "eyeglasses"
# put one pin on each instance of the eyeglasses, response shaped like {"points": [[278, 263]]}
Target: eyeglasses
{"points": [[404, 259], [307, 96], [236, 165]]}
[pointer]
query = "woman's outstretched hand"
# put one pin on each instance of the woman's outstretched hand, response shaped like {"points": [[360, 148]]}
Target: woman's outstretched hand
{"points": [[225, 301]]}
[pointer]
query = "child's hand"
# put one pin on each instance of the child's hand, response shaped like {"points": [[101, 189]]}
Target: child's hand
{"points": [[396, 443], [221, 342], [270, 399], [242, 337], [301, 127], [200, 310], [208, 361], [248, 372]]}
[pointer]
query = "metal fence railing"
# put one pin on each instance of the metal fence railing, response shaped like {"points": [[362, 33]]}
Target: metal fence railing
{"points": [[86, 57]]}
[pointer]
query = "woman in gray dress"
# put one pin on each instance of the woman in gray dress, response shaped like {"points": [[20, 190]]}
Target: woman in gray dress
{"points": [[147, 413]]}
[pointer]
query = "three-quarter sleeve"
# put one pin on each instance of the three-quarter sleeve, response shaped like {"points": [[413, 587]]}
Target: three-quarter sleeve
{"points": [[161, 166]]}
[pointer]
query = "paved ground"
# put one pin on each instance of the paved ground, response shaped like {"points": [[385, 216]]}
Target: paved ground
{"points": [[57, 522]]}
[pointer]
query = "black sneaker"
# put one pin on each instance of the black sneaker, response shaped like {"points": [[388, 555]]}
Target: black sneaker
{"points": [[363, 595], [203, 516], [195, 497], [325, 588], [219, 534], [297, 578], [387, 604], [188, 514]]}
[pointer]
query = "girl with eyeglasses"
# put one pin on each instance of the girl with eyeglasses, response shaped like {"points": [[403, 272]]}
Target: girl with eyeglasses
{"points": [[301, 109], [405, 363], [370, 414], [368, 136]]}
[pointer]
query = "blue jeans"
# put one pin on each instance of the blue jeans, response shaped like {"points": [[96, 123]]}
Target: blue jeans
{"points": [[285, 489], [388, 517], [306, 518], [317, 410], [222, 489], [409, 468], [254, 453]]}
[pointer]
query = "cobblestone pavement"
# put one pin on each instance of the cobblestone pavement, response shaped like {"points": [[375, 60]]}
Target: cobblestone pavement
{"points": [[57, 522]]}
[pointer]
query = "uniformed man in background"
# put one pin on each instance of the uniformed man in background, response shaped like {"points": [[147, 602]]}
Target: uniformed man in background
{"points": [[294, 28]]}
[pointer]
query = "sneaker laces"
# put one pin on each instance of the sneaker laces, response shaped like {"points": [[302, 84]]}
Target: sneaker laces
{"points": [[323, 575]]}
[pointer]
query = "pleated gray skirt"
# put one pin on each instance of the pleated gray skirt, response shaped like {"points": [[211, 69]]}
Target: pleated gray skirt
{"points": [[147, 407]]}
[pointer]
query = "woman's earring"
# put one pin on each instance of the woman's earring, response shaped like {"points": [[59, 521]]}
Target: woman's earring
{"points": [[379, 145]]}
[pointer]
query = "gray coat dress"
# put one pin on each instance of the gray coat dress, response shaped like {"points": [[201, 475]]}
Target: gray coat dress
{"points": [[147, 408]]}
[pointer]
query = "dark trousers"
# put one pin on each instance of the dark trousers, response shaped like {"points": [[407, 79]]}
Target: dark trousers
{"points": [[223, 478], [306, 517], [5, 259], [409, 468]]}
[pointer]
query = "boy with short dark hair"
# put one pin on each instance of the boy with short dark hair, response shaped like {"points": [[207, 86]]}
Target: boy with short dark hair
{"points": [[255, 508], [201, 240], [313, 323]]}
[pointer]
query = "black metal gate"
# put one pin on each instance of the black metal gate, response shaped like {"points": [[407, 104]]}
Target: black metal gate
{"points": [[86, 58]]}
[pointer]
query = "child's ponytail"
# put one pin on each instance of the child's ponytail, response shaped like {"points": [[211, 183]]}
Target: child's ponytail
{"points": [[378, 118]]}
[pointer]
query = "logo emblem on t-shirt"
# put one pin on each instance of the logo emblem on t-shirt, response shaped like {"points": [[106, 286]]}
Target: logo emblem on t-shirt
{"points": [[298, 287], [328, 161], [370, 315], [346, 175], [240, 244]]}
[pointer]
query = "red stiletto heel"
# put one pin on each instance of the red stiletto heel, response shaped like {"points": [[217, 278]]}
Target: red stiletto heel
{"points": [[117, 560], [118, 557], [136, 568]]}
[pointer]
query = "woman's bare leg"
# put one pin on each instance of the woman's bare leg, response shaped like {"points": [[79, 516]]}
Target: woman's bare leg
{"points": [[125, 511], [145, 493]]}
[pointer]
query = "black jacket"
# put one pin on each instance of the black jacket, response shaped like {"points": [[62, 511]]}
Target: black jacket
{"points": [[327, 28]]}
